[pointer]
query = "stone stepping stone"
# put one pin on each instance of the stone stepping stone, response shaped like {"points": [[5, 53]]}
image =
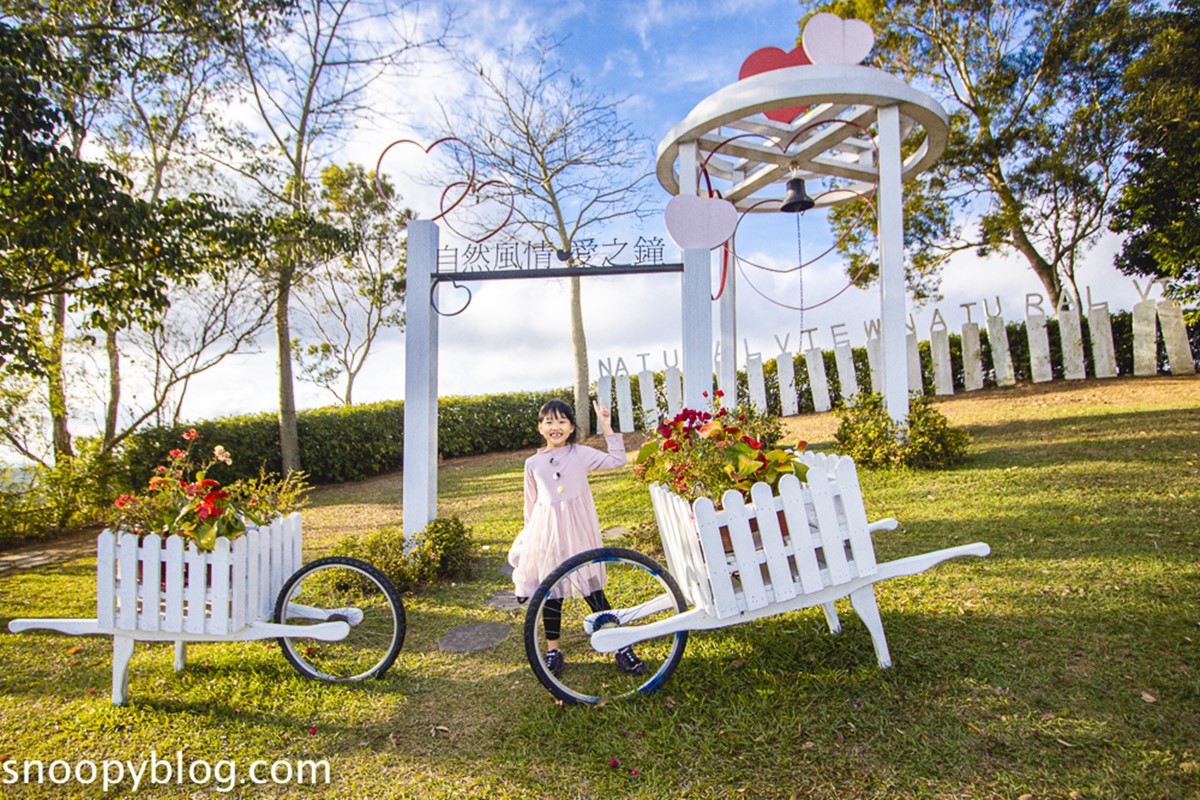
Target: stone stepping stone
{"points": [[615, 532], [503, 601], [474, 637]]}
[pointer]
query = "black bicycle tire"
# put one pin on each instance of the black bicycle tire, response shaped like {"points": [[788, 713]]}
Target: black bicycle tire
{"points": [[532, 633], [380, 579]]}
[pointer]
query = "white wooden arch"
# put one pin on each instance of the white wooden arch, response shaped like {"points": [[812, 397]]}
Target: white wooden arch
{"points": [[421, 353]]}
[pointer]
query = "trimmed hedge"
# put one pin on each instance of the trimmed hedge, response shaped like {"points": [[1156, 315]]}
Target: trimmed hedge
{"points": [[341, 443]]}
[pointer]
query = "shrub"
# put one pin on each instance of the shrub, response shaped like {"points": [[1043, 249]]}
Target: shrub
{"points": [[443, 550], [866, 433], [932, 443], [451, 547], [871, 437]]}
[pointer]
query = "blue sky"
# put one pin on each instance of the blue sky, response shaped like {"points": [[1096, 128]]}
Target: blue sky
{"points": [[664, 56]]}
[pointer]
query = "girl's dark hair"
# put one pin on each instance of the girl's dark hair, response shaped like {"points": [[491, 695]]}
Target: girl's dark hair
{"points": [[557, 408]]}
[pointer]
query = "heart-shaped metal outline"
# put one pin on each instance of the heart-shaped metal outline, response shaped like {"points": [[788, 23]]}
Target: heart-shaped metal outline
{"points": [[470, 181], [512, 207]]}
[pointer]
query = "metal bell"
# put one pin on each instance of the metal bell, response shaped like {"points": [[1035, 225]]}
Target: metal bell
{"points": [[797, 199]]}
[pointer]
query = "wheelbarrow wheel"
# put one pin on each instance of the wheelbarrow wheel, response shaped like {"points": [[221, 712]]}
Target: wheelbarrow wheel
{"points": [[636, 591], [344, 589]]}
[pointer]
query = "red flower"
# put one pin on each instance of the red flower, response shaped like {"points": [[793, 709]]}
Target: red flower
{"points": [[177, 453], [719, 393], [752, 442], [124, 500], [204, 510], [191, 434], [670, 444]]}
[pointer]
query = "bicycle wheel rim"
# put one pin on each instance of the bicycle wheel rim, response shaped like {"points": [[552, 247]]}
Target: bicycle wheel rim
{"points": [[340, 588], [630, 580]]}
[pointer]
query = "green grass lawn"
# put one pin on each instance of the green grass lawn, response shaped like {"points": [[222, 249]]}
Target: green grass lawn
{"points": [[1064, 665]]}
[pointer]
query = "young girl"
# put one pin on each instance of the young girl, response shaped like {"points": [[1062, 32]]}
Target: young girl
{"points": [[561, 520]]}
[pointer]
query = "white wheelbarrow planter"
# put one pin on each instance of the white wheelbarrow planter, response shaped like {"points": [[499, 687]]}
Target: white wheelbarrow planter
{"points": [[808, 545], [159, 590]]}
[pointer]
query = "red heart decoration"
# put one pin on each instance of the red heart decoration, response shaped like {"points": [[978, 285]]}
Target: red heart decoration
{"points": [[771, 58]]}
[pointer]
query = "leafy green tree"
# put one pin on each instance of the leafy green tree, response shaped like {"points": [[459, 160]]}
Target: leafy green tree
{"points": [[348, 300], [144, 78], [70, 227], [1033, 89], [1159, 206]]}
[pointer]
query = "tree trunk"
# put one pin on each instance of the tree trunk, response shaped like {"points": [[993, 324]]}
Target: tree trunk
{"points": [[114, 386], [583, 406], [55, 385], [289, 436], [1045, 271]]}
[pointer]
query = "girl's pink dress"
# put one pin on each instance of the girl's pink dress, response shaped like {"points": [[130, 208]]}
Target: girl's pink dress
{"points": [[560, 515]]}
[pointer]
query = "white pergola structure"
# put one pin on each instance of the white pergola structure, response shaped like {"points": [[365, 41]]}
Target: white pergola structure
{"points": [[852, 133]]}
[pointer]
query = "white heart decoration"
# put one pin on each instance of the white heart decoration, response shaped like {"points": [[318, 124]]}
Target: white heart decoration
{"points": [[699, 222], [829, 39]]}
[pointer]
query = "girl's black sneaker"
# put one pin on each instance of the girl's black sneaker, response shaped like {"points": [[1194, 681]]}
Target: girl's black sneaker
{"points": [[555, 663], [628, 661]]}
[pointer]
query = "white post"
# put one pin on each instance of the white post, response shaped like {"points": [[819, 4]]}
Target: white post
{"points": [[420, 389], [697, 298], [891, 265], [697, 328], [727, 312], [727, 305]]}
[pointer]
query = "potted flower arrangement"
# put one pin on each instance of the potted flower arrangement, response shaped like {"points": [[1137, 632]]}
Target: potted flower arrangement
{"points": [[182, 503], [705, 454], [181, 499], [702, 453]]}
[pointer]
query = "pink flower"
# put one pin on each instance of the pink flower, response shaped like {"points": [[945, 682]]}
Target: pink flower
{"points": [[124, 500], [191, 434], [177, 453], [614, 763]]}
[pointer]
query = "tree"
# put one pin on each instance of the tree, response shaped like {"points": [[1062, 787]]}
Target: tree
{"points": [[348, 300], [572, 164], [309, 83], [70, 227], [136, 74], [1033, 88], [1159, 206]]}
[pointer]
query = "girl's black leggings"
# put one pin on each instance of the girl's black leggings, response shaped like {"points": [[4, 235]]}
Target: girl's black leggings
{"points": [[552, 613]]}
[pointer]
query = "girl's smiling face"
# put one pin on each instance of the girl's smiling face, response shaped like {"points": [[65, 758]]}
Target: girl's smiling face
{"points": [[555, 429]]}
